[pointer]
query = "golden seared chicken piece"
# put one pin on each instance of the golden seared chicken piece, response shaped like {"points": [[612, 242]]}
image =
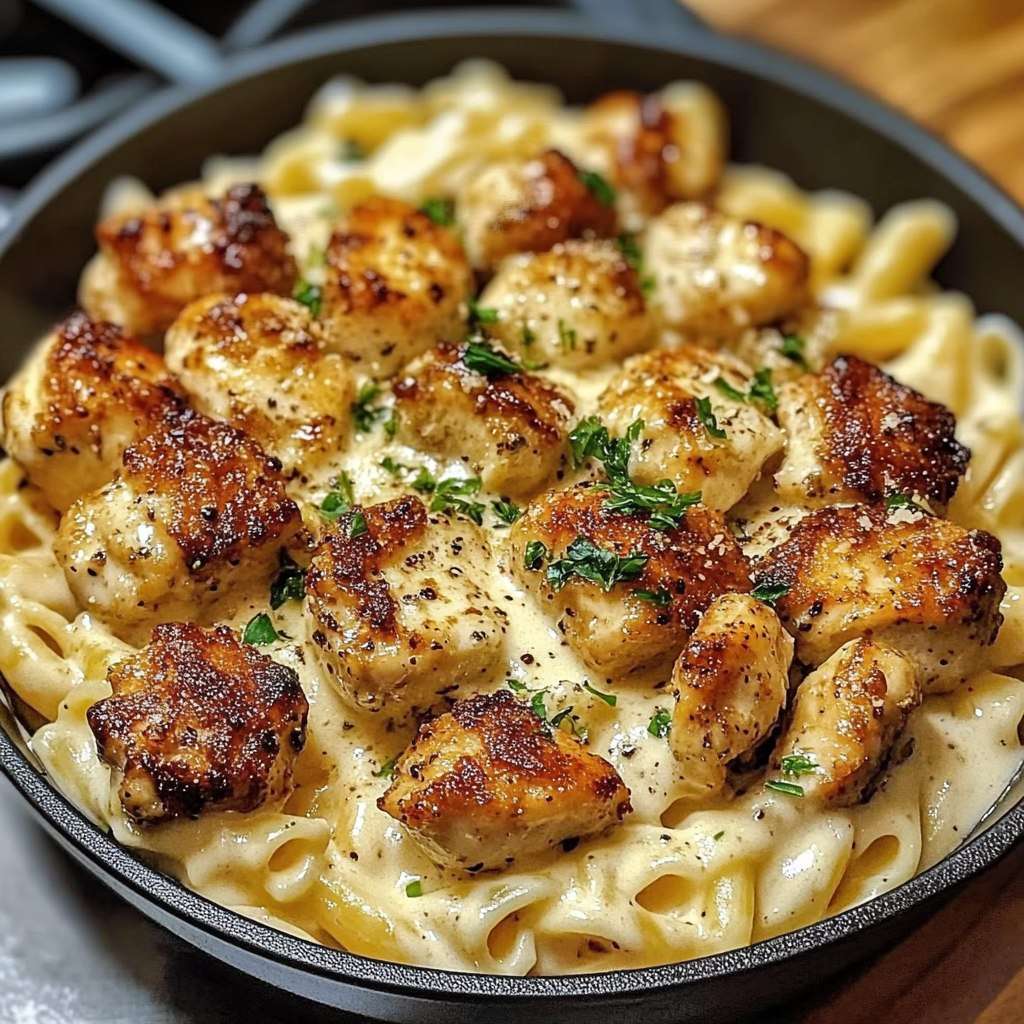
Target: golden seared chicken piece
{"points": [[716, 274], [395, 284], [490, 783], [706, 419], [199, 721], [87, 392], [846, 717], [578, 305], [661, 147], [151, 265], [626, 595], [472, 402], [259, 362], [731, 682], [396, 609], [196, 514], [855, 434], [529, 206], [925, 586]]}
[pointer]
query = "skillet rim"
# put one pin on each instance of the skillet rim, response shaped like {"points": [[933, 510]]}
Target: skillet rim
{"points": [[149, 886]]}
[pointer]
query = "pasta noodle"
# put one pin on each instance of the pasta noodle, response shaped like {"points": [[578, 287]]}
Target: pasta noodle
{"points": [[672, 881]]}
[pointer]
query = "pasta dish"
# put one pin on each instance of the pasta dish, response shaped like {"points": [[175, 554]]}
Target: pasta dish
{"points": [[494, 535]]}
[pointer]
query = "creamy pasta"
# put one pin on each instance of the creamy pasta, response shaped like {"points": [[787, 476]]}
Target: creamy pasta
{"points": [[680, 876]]}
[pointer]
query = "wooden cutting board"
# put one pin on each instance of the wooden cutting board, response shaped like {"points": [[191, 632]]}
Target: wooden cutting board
{"points": [[958, 67]]}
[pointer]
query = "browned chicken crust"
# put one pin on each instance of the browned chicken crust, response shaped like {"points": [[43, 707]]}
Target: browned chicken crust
{"points": [[875, 437], [618, 632], [94, 391], [223, 493], [490, 781], [199, 721], [186, 247], [927, 586]]}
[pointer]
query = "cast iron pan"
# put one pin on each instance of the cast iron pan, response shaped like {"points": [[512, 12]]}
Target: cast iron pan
{"points": [[783, 114]]}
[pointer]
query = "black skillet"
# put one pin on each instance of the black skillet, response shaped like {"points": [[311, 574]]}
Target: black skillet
{"points": [[783, 114]]}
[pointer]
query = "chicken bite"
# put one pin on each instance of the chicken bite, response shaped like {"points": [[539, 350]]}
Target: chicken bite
{"points": [[199, 721], [578, 305], [731, 683], [661, 147], [923, 585], [151, 265], [800, 343], [258, 362], [490, 783], [472, 402], [395, 609], [87, 392], [855, 434], [626, 595], [395, 284], [195, 516], [706, 423], [846, 718], [715, 274], [528, 206]]}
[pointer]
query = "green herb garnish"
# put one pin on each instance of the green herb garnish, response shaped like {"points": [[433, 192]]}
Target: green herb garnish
{"points": [[534, 555], [597, 185], [394, 468], [516, 686], [259, 631], [309, 295], [391, 424], [482, 314], [481, 357], [387, 769], [425, 481], [902, 501], [440, 211], [761, 390], [506, 511], [660, 724], [350, 150], [660, 597], [609, 698], [289, 584], [414, 888], [718, 835], [729, 391], [789, 788], [708, 419], [769, 593], [793, 348], [597, 565], [537, 705], [357, 525], [796, 765], [566, 336], [364, 413], [338, 501], [452, 495]]}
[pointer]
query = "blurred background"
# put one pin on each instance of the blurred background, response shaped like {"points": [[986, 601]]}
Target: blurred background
{"points": [[70, 953]]}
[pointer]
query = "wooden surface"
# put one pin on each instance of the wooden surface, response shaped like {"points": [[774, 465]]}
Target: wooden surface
{"points": [[957, 66]]}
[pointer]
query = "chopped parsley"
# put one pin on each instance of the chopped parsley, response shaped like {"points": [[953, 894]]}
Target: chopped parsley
{"points": [[796, 765], [289, 584], [482, 314], [391, 424], [660, 724], [567, 717], [516, 686], [729, 391], [769, 593], [394, 468], [481, 357], [316, 257], [350, 150], [414, 888], [309, 295], [338, 501], [506, 511], [537, 705], [387, 769], [902, 501], [761, 390], [526, 336], [597, 565], [357, 525], [597, 185], [566, 336], [535, 554], [793, 348], [364, 413], [789, 788], [452, 495], [609, 698], [589, 437], [708, 419], [259, 631], [718, 835], [661, 598], [440, 211], [631, 253]]}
